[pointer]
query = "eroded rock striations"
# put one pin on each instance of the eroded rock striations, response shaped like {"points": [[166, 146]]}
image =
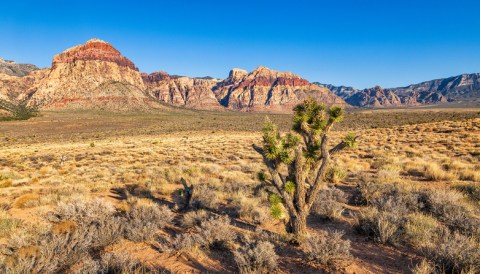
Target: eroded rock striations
{"points": [[264, 89], [94, 75], [182, 91]]}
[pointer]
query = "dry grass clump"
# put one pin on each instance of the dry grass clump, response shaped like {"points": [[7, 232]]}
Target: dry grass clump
{"points": [[389, 173], [435, 172], [327, 248], [470, 175], [7, 224], [256, 257], [424, 267], [335, 174], [328, 203], [250, 209], [27, 200], [420, 230]]}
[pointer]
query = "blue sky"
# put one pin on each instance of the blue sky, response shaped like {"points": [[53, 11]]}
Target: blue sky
{"points": [[359, 43]]}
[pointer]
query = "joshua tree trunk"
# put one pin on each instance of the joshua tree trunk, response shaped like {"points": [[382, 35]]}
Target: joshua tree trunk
{"points": [[298, 225]]}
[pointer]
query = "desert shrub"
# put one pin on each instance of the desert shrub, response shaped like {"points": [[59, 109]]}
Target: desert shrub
{"points": [[335, 174], [435, 172], [7, 224], [327, 204], [327, 248], [455, 253], [382, 226], [448, 207], [250, 209], [212, 233], [95, 226], [121, 262], [204, 196], [257, 257], [420, 229], [194, 218], [143, 221], [471, 190], [424, 267], [387, 197]]}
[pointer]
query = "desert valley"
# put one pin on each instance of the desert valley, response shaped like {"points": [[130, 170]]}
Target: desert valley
{"points": [[105, 169]]}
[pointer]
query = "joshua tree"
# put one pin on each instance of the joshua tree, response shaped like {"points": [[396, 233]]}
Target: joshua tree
{"points": [[306, 155]]}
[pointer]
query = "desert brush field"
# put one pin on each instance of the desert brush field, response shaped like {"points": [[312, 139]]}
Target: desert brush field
{"points": [[95, 192]]}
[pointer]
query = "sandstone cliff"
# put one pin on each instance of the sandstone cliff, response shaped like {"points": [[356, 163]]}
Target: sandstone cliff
{"points": [[182, 91], [94, 75], [268, 90]]}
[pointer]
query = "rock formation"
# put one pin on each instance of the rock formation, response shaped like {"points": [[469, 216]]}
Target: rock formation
{"points": [[268, 90], [13, 69], [457, 88], [182, 91], [94, 75]]}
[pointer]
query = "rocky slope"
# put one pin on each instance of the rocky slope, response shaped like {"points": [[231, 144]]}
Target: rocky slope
{"points": [[13, 69], [182, 91], [16, 89], [465, 87], [94, 75], [264, 89]]}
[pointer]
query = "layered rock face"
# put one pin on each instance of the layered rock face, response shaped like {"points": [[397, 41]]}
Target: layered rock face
{"points": [[94, 75], [182, 91], [269, 90], [15, 89], [13, 69]]}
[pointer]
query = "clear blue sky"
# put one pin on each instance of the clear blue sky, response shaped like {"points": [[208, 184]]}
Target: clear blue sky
{"points": [[352, 42]]}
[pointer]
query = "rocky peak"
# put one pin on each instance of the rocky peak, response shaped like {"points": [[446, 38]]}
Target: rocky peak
{"points": [[13, 69], [93, 50], [237, 75]]}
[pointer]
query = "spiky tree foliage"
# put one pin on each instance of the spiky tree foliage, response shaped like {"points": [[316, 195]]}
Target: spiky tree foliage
{"points": [[305, 153]]}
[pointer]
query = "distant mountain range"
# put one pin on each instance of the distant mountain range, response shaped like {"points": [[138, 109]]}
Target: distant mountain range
{"points": [[465, 87], [96, 75]]}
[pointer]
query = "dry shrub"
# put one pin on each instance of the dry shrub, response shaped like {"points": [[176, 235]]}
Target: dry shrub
{"points": [[194, 218], [383, 226], [327, 205], [424, 267], [472, 190], [143, 221], [455, 253], [96, 227], [387, 197], [257, 257], [327, 248], [204, 196], [250, 209], [212, 233], [435, 172], [447, 206], [420, 230]]}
